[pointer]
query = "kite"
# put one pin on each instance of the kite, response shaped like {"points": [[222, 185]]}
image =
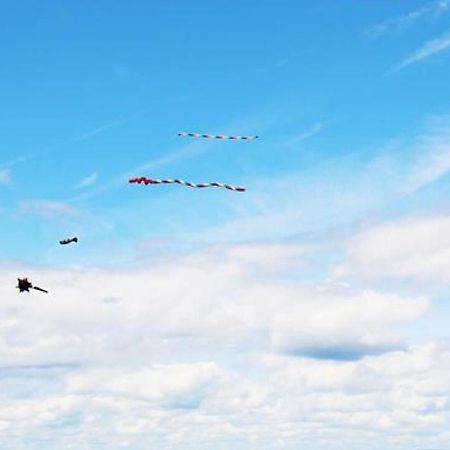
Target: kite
{"points": [[24, 286], [68, 241], [218, 136], [146, 181]]}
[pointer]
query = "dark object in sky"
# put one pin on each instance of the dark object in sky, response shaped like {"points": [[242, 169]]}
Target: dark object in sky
{"points": [[68, 241], [24, 286]]}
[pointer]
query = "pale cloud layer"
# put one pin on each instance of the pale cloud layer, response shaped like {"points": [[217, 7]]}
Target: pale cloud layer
{"points": [[416, 248], [221, 346], [216, 293], [398, 400]]}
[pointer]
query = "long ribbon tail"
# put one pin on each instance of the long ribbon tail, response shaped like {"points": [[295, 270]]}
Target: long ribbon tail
{"points": [[40, 289], [217, 136], [146, 181]]}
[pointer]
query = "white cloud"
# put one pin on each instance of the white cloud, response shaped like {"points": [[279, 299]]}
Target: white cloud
{"points": [[172, 385], [428, 49], [354, 323], [215, 348], [417, 248], [87, 181], [398, 400], [392, 393], [218, 294]]}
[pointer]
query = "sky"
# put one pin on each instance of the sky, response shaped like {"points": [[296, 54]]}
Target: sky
{"points": [[309, 312]]}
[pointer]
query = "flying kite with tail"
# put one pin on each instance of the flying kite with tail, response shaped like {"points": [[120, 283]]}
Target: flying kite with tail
{"points": [[24, 285]]}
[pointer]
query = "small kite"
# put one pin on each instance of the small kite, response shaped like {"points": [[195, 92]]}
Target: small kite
{"points": [[68, 241], [146, 181], [218, 136], [24, 286]]}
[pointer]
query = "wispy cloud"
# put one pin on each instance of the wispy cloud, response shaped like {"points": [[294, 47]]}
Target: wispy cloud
{"points": [[98, 130], [87, 181], [47, 208], [434, 9], [407, 166], [187, 151], [397, 170], [427, 50], [54, 148], [4, 176], [11, 163], [307, 134], [428, 156]]}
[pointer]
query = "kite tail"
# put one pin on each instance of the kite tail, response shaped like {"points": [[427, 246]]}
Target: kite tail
{"points": [[217, 136], [40, 289], [146, 181]]}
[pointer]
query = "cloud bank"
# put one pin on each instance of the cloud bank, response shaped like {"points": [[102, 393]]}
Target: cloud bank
{"points": [[217, 347]]}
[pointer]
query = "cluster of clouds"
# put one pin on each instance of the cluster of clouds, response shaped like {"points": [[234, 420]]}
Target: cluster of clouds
{"points": [[224, 346], [397, 400]]}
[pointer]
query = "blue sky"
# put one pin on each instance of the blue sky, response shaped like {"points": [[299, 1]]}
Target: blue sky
{"points": [[96, 90], [328, 275]]}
